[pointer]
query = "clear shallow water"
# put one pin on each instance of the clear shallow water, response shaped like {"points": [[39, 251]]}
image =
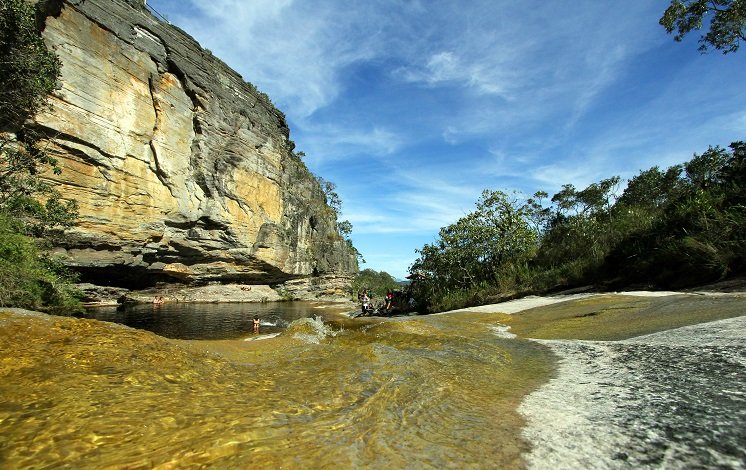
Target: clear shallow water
{"points": [[207, 320], [424, 392], [428, 392]]}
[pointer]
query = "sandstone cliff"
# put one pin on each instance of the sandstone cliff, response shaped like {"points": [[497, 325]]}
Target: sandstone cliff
{"points": [[183, 171]]}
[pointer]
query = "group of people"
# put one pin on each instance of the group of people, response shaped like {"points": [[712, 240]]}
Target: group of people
{"points": [[368, 306]]}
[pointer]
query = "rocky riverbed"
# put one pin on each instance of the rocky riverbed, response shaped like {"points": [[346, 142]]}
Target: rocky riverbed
{"points": [[596, 381], [674, 399], [670, 399]]}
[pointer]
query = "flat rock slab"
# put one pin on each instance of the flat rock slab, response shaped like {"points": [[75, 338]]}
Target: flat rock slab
{"points": [[210, 293], [674, 399]]}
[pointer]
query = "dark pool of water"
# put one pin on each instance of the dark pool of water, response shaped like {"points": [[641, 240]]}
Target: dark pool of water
{"points": [[208, 320]]}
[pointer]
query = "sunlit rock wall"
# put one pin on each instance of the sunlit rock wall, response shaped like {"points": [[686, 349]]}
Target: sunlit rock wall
{"points": [[183, 171]]}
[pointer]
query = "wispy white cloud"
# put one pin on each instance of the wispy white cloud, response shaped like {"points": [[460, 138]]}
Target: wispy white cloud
{"points": [[329, 143], [449, 68], [416, 201], [533, 58], [294, 51]]}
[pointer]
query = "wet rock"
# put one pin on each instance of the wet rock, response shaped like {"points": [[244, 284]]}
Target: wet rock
{"points": [[213, 293], [666, 400]]}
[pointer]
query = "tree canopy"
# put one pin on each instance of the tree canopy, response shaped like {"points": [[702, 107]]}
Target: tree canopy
{"points": [[727, 22], [28, 70], [377, 282], [668, 228], [495, 237]]}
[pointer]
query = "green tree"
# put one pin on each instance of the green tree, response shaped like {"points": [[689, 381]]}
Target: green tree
{"points": [[727, 22], [597, 198], [582, 229], [671, 229], [709, 169], [483, 245], [25, 195], [538, 215], [377, 282], [652, 189], [344, 228], [330, 193], [694, 225], [28, 71], [29, 278], [28, 74], [29, 205]]}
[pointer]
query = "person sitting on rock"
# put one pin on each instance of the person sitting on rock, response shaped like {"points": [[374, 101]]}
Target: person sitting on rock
{"points": [[389, 302]]}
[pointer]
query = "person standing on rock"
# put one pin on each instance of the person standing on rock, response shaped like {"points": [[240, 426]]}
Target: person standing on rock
{"points": [[365, 303]]}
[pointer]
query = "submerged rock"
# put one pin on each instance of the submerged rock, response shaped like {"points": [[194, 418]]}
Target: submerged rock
{"points": [[432, 391]]}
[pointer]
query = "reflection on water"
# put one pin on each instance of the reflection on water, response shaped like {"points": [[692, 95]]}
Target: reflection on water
{"points": [[429, 392], [207, 320]]}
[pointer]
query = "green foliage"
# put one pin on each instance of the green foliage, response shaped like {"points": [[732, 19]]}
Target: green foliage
{"points": [[28, 277], [28, 198], [483, 245], [28, 70], [28, 74], [377, 282], [29, 205], [344, 228], [672, 228], [727, 22], [330, 193], [285, 294], [652, 189]]}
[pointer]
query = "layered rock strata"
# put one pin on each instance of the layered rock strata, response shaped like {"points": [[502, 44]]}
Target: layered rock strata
{"points": [[183, 171]]}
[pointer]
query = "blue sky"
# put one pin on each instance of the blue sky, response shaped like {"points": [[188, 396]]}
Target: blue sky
{"points": [[412, 108]]}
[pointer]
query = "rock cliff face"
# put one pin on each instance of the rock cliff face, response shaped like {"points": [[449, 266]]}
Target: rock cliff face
{"points": [[183, 171]]}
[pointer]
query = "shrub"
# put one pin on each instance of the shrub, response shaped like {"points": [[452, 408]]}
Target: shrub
{"points": [[28, 277]]}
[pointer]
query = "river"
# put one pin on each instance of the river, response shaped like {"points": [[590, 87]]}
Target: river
{"points": [[212, 321], [440, 391]]}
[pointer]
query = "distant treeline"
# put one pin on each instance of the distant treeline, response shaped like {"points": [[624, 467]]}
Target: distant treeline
{"points": [[672, 228], [375, 283]]}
